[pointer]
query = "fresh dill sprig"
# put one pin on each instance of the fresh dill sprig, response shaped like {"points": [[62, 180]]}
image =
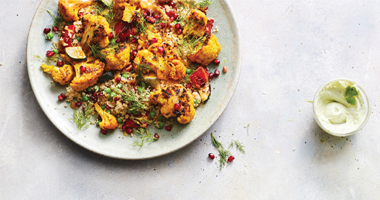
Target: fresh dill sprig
{"points": [[223, 157], [141, 25], [98, 9], [247, 127], [108, 3], [58, 20], [96, 51], [146, 137], [109, 16], [215, 142], [130, 96], [204, 3], [238, 145], [82, 118]]}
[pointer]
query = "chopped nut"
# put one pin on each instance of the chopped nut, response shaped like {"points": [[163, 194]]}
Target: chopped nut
{"points": [[224, 69]]}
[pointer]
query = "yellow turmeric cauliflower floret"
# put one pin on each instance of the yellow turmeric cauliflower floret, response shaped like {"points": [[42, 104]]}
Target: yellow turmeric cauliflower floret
{"points": [[207, 53], [118, 58], [124, 10], [177, 70], [108, 121], [63, 75], [146, 58], [96, 31], [69, 8], [83, 80], [171, 95], [196, 25]]}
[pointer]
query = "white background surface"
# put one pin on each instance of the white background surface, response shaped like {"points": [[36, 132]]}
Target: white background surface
{"points": [[290, 48]]}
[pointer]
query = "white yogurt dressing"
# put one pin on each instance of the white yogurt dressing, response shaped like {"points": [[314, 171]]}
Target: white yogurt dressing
{"points": [[335, 114]]}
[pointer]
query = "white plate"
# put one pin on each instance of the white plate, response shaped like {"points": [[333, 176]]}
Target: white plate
{"points": [[115, 144]]}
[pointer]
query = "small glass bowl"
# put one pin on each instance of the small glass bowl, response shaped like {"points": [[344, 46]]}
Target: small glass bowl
{"points": [[345, 133]]}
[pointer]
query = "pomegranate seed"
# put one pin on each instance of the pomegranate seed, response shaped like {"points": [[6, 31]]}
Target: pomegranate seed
{"points": [[81, 30], [116, 99], [134, 52], [95, 100], [160, 50], [162, 25], [99, 117], [62, 97], [129, 130], [210, 75], [231, 158], [108, 108], [156, 136], [83, 108], [94, 94], [132, 83], [55, 29], [177, 26], [154, 40], [152, 20], [188, 86], [171, 19], [82, 68], [211, 156], [124, 127], [145, 14], [216, 61], [179, 31], [134, 41], [100, 94], [177, 106], [47, 30], [118, 40], [145, 125], [118, 79], [172, 4], [104, 132], [110, 36], [224, 69], [49, 53], [157, 16], [216, 73], [59, 63], [122, 39], [168, 128], [78, 104], [150, 12]]}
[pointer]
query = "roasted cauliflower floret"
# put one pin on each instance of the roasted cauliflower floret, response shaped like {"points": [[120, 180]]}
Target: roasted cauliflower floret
{"points": [[197, 23], [124, 10], [117, 58], [207, 53], [83, 80], [69, 8], [177, 70], [63, 75], [96, 31], [169, 96], [146, 61], [108, 121]]}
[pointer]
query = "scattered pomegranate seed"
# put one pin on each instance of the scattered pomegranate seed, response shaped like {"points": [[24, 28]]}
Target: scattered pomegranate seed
{"points": [[152, 20], [188, 86], [55, 29], [83, 108], [160, 50], [81, 30], [62, 97], [177, 106], [179, 31], [94, 94], [172, 4], [154, 40], [132, 83], [95, 100], [82, 68], [116, 99], [156, 136], [162, 25], [110, 36], [231, 158], [171, 19], [145, 14], [49, 53], [129, 130], [177, 26], [157, 16], [134, 41], [210, 75], [47, 30], [59, 63], [118, 79], [216, 73], [108, 108], [150, 12], [117, 40], [216, 61], [104, 132], [211, 156], [124, 127], [224, 69], [122, 39], [78, 104], [134, 52], [168, 128], [100, 94]]}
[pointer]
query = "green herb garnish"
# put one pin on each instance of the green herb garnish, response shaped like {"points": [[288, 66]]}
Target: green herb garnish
{"points": [[96, 51], [350, 95], [204, 3], [222, 152], [141, 25], [82, 118], [48, 59], [146, 137], [238, 145], [247, 127], [58, 20]]}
